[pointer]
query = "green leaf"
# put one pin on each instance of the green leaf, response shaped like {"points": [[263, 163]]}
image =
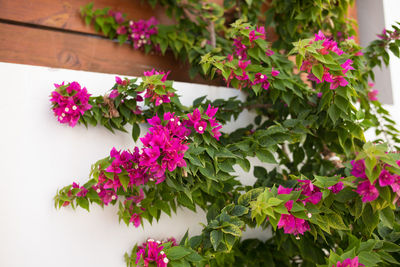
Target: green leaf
{"points": [[176, 253], [335, 221], [135, 131], [318, 71], [334, 113], [124, 179], [265, 156], [195, 241], [244, 164], [83, 202], [232, 229], [215, 238], [387, 217], [369, 258], [370, 219], [239, 210]]}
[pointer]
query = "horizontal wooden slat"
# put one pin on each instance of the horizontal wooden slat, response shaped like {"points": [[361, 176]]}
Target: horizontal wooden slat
{"points": [[66, 15], [19, 44]]}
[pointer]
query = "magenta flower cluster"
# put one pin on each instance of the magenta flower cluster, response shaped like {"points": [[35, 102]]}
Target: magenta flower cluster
{"points": [[151, 94], [289, 223], [200, 121], [240, 51], [151, 252], [309, 194], [164, 146], [349, 263], [139, 32], [329, 45], [69, 102], [368, 191]]}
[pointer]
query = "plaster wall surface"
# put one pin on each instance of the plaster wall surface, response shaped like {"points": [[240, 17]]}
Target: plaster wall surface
{"points": [[39, 156]]}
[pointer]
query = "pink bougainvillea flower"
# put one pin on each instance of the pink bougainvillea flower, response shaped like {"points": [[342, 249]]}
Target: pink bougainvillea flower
{"points": [[140, 32], [319, 95], [269, 52], [69, 102], [151, 253], [349, 263], [338, 81], [265, 85], [347, 66], [358, 169], [195, 116], [82, 193], [386, 178], [114, 167], [367, 191], [114, 93], [306, 66], [396, 185], [259, 78], [373, 95], [122, 30], [293, 225], [284, 190], [154, 121], [135, 219], [319, 36], [211, 111], [313, 193], [216, 133], [243, 64], [240, 49], [336, 188], [275, 73], [200, 126]]}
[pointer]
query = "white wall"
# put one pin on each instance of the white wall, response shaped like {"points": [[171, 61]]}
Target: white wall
{"points": [[39, 156], [373, 17], [392, 15]]}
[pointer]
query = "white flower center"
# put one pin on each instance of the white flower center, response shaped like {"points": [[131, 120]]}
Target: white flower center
{"points": [[63, 114], [200, 128], [162, 252], [161, 101], [66, 109], [151, 179], [239, 57], [172, 119], [60, 118], [150, 240], [179, 123], [261, 76], [166, 260], [133, 35], [297, 237], [158, 242], [98, 190], [131, 22], [74, 107], [113, 197], [144, 41], [309, 215], [142, 36]]}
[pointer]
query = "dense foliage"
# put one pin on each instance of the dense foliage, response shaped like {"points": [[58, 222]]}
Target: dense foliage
{"points": [[332, 198]]}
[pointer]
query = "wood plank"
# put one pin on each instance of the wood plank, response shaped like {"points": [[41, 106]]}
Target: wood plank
{"points": [[24, 45], [352, 15], [65, 14]]}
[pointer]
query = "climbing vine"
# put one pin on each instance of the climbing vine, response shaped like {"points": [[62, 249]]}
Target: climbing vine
{"points": [[332, 198]]}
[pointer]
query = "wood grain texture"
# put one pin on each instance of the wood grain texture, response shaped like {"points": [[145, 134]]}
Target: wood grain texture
{"points": [[19, 44], [65, 14]]}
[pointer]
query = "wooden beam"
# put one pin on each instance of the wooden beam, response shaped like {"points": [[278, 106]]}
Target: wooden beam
{"points": [[66, 14], [40, 47]]}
